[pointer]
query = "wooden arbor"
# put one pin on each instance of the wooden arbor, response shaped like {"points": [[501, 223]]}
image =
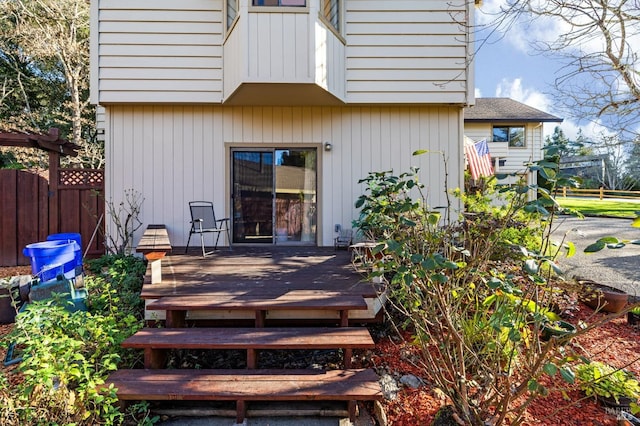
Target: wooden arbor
{"points": [[32, 207]]}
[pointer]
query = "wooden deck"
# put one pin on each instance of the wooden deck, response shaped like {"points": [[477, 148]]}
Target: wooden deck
{"points": [[271, 269], [269, 272], [301, 284]]}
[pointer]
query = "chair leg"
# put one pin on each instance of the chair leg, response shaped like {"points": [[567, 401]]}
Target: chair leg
{"points": [[188, 241], [215, 247], [204, 253], [229, 238]]}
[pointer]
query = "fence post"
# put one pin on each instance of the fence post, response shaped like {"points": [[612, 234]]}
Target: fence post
{"points": [[54, 194], [564, 192], [601, 192]]}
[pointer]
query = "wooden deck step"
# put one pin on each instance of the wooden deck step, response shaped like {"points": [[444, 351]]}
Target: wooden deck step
{"points": [[177, 306], [155, 341], [295, 299], [248, 385]]}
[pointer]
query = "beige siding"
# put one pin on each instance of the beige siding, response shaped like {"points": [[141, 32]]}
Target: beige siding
{"points": [[174, 154], [157, 51], [330, 59], [279, 47], [235, 57], [407, 51], [516, 158]]}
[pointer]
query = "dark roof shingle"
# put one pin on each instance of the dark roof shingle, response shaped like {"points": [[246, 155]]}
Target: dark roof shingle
{"points": [[505, 110]]}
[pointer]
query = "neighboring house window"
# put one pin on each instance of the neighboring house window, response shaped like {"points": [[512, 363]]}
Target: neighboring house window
{"points": [[513, 135], [279, 2], [331, 12], [232, 11], [498, 162]]}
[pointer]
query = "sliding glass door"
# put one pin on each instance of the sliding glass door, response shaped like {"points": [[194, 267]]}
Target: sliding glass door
{"points": [[274, 196]]}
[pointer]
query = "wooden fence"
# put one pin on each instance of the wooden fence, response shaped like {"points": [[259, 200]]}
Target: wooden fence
{"points": [[32, 206], [600, 193]]}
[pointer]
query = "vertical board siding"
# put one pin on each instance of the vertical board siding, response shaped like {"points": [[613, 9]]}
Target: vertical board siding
{"points": [[406, 51], [176, 154], [159, 51], [235, 58], [330, 68], [279, 48]]}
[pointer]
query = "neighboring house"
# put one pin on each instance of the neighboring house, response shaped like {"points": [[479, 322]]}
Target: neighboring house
{"points": [[514, 131], [274, 109]]}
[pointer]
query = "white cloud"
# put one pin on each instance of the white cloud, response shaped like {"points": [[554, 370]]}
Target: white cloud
{"points": [[478, 92], [514, 89], [517, 90]]}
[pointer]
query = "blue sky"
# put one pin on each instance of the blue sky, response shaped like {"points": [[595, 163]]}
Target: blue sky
{"points": [[509, 67]]}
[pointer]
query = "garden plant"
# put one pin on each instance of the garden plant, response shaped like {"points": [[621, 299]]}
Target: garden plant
{"points": [[476, 292], [66, 356]]}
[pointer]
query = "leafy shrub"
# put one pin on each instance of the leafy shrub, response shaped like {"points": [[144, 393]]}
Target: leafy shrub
{"points": [[600, 379], [475, 292], [67, 356]]}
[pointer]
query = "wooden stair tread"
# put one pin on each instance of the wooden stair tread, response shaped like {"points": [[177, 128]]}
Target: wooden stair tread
{"points": [[273, 290], [290, 300], [254, 338], [246, 385]]}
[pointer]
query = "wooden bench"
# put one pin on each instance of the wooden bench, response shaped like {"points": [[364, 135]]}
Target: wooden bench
{"points": [[349, 385], [156, 341], [154, 245], [177, 306]]}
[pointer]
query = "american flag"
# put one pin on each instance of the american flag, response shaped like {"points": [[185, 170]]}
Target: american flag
{"points": [[478, 158]]}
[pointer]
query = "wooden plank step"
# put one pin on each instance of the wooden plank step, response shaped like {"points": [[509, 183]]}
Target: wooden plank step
{"points": [[290, 300], [256, 338], [247, 385], [256, 289], [177, 306], [155, 341]]}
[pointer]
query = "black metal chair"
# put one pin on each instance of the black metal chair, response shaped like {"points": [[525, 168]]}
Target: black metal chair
{"points": [[203, 221]]}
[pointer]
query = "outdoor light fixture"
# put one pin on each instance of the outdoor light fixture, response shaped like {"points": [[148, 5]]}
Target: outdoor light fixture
{"points": [[328, 146]]}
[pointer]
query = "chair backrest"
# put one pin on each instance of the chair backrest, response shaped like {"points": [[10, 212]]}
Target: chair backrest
{"points": [[203, 210], [345, 235]]}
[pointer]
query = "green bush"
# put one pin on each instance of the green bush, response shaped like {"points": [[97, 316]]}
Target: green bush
{"points": [[600, 379], [66, 356], [475, 292]]}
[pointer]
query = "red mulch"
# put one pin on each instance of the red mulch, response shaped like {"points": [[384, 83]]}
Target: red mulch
{"points": [[615, 343]]}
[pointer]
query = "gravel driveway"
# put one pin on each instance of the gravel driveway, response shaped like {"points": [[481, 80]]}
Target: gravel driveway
{"points": [[619, 268]]}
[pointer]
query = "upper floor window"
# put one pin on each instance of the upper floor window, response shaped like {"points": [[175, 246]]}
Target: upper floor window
{"points": [[279, 2], [513, 135], [331, 12]]}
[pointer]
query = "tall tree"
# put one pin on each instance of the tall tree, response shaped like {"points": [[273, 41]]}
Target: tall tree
{"points": [[632, 165], [615, 150], [599, 40], [44, 55]]}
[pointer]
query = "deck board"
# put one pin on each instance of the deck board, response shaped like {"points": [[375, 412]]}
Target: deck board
{"points": [[241, 338], [250, 385], [260, 271], [271, 302]]}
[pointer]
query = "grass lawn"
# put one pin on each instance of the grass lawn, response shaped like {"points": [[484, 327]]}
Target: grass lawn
{"points": [[596, 207]]}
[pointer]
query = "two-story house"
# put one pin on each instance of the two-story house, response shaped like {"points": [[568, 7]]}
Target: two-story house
{"points": [[514, 131], [274, 109]]}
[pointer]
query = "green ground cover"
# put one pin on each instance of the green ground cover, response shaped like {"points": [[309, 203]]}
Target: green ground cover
{"points": [[597, 207]]}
